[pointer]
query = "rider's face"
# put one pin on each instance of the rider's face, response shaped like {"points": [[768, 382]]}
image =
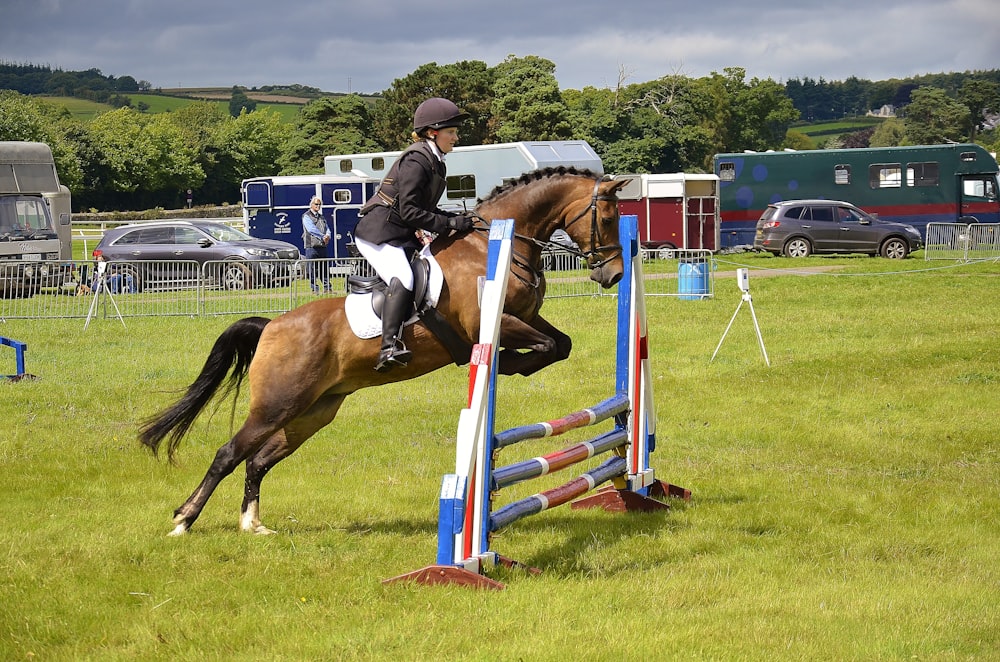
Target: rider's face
{"points": [[446, 139]]}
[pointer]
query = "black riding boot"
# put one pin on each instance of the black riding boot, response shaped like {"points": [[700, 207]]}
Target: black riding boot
{"points": [[396, 310]]}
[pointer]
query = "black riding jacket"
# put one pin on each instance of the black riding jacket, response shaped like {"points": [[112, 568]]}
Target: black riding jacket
{"points": [[407, 200]]}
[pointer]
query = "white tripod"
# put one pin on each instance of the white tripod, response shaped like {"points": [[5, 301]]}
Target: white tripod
{"points": [[743, 278], [102, 288]]}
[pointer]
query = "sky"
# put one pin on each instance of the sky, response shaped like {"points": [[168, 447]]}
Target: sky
{"points": [[363, 46]]}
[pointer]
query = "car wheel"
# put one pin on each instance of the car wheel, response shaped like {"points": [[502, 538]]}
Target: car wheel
{"points": [[236, 276], [665, 252], [895, 248], [797, 247]]}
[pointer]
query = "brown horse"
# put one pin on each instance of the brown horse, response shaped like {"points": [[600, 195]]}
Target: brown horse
{"points": [[303, 364]]}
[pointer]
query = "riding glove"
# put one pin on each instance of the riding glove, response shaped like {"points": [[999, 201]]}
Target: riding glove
{"points": [[461, 223]]}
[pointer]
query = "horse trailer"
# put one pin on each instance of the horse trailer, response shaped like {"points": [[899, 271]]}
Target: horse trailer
{"points": [[914, 185], [273, 206], [675, 210], [475, 170]]}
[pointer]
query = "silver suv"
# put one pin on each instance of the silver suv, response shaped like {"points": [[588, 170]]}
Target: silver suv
{"points": [[797, 228], [161, 253]]}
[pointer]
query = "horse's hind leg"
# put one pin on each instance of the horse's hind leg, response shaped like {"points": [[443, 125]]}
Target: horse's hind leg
{"points": [[244, 444], [279, 446]]}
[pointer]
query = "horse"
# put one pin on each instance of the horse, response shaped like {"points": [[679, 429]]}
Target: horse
{"points": [[302, 365]]}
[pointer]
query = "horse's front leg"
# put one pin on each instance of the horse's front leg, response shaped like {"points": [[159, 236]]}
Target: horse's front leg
{"points": [[279, 446], [542, 345]]}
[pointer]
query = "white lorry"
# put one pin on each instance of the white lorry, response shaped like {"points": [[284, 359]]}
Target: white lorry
{"points": [[35, 238]]}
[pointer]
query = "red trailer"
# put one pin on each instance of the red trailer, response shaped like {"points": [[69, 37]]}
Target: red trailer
{"points": [[675, 210]]}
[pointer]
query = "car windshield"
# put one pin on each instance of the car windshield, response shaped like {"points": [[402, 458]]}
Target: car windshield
{"points": [[225, 233]]}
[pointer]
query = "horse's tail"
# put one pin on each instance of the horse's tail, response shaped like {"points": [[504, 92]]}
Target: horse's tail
{"points": [[233, 349]]}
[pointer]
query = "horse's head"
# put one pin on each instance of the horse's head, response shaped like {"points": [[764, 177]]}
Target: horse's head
{"points": [[580, 202], [592, 222]]}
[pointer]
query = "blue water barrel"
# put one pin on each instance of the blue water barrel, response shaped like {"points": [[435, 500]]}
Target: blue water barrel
{"points": [[692, 279]]}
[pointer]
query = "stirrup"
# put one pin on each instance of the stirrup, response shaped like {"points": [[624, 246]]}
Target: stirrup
{"points": [[397, 355]]}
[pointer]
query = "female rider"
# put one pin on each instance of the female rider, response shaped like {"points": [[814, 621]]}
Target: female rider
{"points": [[405, 203]]}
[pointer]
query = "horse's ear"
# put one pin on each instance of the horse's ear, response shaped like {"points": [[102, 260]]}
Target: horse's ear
{"points": [[616, 186]]}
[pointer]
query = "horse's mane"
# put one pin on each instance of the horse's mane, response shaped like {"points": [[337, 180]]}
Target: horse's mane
{"points": [[541, 173]]}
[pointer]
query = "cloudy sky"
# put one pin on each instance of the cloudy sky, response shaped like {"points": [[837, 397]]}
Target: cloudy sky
{"points": [[362, 46]]}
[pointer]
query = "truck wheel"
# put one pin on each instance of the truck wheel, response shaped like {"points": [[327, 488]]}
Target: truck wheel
{"points": [[797, 247], [894, 248]]}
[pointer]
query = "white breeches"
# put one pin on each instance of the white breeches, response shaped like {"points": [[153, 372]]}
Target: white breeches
{"points": [[388, 261]]}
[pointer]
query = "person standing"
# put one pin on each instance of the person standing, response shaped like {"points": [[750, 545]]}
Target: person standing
{"points": [[315, 239], [405, 204]]}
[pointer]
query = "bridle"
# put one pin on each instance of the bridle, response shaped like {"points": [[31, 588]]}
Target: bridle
{"points": [[594, 248], [588, 255]]}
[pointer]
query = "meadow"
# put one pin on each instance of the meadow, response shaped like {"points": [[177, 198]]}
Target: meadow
{"points": [[844, 500], [85, 110]]}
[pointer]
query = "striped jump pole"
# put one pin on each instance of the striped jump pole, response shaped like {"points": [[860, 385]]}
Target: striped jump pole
{"points": [[465, 518]]}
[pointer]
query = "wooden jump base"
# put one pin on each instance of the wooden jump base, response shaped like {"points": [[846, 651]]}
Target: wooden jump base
{"points": [[466, 520]]}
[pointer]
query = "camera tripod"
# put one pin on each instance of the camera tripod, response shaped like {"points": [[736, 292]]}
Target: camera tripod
{"points": [[102, 288]]}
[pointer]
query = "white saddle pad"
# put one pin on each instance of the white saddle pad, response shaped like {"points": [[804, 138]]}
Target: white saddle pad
{"points": [[363, 320]]}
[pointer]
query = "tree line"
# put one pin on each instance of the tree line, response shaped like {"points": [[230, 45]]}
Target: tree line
{"points": [[127, 159]]}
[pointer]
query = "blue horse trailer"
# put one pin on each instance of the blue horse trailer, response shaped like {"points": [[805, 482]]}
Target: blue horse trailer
{"points": [[273, 206]]}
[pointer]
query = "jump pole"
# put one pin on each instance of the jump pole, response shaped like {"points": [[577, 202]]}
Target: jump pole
{"points": [[464, 518]]}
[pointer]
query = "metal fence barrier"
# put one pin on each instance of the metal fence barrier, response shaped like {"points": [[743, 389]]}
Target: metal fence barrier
{"points": [[685, 273], [962, 242], [185, 288]]}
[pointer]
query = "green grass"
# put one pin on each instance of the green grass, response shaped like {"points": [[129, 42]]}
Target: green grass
{"points": [[161, 104], [837, 127], [844, 506], [83, 109]]}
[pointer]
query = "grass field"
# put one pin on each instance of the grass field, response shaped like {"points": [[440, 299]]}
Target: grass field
{"points": [[845, 502], [87, 110]]}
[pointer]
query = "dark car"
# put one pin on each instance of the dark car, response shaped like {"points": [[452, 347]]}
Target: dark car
{"points": [[159, 254], [797, 228]]}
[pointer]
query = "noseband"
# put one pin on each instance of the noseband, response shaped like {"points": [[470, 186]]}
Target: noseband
{"points": [[594, 248]]}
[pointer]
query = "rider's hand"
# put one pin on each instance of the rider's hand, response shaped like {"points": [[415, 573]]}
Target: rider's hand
{"points": [[461, 223]]}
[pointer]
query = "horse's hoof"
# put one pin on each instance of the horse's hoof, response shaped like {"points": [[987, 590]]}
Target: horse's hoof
{"points": [[179, 530]]}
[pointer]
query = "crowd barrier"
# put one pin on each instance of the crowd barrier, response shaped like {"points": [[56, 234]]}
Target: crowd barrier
{"points": [[466, 518], [962, 241]]}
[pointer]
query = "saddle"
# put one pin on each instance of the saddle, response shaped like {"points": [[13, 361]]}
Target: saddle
{"points": [[423, 304]]}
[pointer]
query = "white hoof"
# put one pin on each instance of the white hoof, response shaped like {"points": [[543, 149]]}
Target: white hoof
{"points": [[179, 530]]}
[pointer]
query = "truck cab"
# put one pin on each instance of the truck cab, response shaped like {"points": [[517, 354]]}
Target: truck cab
{"points": [[30, 245]]}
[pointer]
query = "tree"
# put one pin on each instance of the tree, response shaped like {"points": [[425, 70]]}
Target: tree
{"points": [[467, 83], [526, 101], [246, 146], [933, 118], [240, 102], [329, 125], [26, 118], [144, 160], [981, 97], [889, 133]]}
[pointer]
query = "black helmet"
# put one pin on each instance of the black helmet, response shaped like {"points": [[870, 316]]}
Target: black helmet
{"points": [[437, 113]]}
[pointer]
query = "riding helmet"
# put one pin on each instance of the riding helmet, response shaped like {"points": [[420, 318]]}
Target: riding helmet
{"points": [[437, 113]]}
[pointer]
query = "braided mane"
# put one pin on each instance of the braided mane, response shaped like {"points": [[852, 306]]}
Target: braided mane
{"points": [[541, 173]]}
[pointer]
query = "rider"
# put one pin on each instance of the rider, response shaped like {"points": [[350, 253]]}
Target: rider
{"points": [[405, 203]]}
